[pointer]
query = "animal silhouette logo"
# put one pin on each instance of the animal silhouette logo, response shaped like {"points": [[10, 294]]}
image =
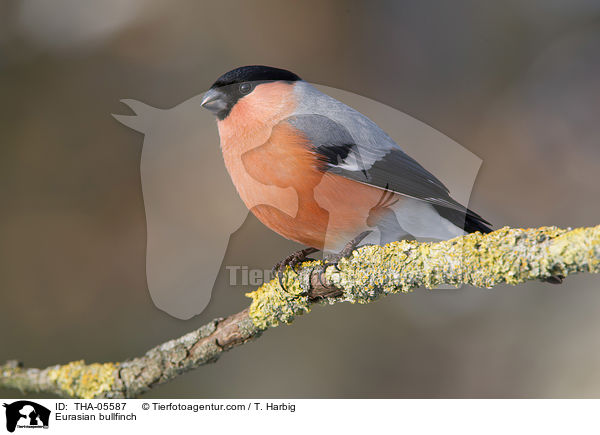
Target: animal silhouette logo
{"points": [[190, 203], [26, 414]]}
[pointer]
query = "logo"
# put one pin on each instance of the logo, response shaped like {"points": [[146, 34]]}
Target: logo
{"points": [[26, 414]]}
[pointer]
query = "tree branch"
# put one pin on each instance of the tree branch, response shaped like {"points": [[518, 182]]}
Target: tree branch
{"points": [[505, 256]]}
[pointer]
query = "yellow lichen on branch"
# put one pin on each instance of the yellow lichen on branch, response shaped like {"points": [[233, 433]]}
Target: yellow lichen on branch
{"points": [[507, 255], [86, 381], [74, 379]]}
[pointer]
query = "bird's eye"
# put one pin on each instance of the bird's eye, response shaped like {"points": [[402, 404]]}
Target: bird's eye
{"points": [[245, 88]]}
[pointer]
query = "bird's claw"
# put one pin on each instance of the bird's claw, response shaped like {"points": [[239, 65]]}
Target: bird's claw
{"points": [[291, 260], [346, 252]]}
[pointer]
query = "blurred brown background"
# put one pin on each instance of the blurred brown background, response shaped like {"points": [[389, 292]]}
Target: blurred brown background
{"points": [[517, 83]]}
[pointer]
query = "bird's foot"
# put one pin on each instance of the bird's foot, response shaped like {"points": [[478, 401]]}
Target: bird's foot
{"points": [[333, 260], [291, 260]]}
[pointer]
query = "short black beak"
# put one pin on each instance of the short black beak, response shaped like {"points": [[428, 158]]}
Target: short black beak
{"points": [[214, 101]]}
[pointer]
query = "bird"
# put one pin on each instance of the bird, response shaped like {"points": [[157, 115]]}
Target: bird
{"points": [[321, 173]]}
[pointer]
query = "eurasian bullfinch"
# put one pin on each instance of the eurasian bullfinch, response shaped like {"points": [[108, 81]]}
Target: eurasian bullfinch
{"points": [[321, 173]]}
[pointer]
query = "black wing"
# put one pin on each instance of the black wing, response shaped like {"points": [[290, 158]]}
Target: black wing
{"points": [[387, 168]]}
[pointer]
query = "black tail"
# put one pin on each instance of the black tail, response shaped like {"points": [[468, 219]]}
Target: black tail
{"points": [[469, 221]]}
